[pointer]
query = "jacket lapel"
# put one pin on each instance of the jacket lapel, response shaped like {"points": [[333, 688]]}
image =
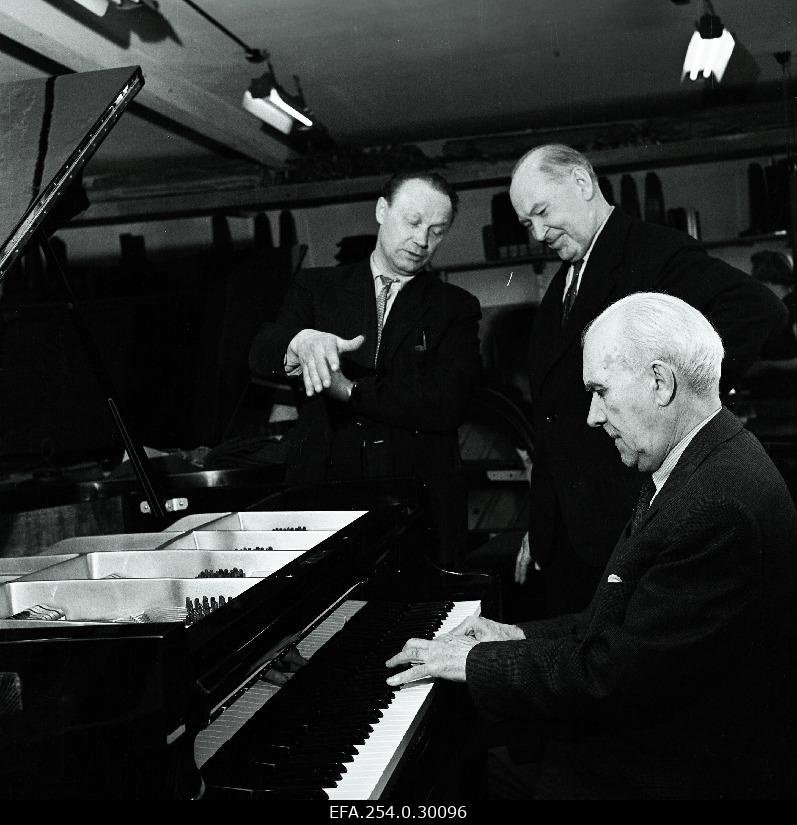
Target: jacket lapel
{"points": [[723, 426], [359, 299], [406, 315], [547, 326], [597, 284]]}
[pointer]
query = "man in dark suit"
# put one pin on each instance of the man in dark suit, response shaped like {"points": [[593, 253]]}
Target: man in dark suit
{"points": [[677, 680], [580, 495], [383, 403]]}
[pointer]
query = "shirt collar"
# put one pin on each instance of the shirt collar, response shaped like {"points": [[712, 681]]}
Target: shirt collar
{"points": [[401, 280], [571, 271], [595, 238]]}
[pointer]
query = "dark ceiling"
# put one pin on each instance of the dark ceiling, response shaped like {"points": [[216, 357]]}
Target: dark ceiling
{"points": [[395, 80]]}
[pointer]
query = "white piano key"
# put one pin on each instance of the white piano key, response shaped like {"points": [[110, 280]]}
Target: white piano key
{"points": [[369, 772]]}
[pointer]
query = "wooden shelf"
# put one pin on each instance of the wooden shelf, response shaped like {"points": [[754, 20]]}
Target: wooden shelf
{"points": [[747, 240], [245, 188]]}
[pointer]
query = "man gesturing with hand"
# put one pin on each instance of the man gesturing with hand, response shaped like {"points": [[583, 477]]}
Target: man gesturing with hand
{"points": [[388, 356]]}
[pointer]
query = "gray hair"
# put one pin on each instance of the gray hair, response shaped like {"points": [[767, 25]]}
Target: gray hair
{"points": [[557, 160], [665, 328]]}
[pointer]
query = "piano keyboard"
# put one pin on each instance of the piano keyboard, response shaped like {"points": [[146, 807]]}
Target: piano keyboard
{"points": [[371, 762], [247, 701], [373, 765]]}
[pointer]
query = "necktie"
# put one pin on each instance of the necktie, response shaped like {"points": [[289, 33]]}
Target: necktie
{"points": [[570, 295], [381, 304], [643, 502]]}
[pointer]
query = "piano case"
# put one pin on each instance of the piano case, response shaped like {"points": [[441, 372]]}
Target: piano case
{"points": [[147, 679]]}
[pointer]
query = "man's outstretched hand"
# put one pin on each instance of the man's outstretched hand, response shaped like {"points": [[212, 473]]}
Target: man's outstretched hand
{"points": [[317, 355]]}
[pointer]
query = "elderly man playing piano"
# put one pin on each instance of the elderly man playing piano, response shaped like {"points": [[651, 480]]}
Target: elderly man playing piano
{"points": [[677, 681]]}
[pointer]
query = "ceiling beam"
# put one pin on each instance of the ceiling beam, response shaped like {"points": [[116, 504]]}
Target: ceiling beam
{"points": [[57, 36]]}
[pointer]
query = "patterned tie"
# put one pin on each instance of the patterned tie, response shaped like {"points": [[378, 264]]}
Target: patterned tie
{"points": [[570, 295], [643, 502], [381, 305]]}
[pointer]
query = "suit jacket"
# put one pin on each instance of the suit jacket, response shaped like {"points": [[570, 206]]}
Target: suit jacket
{"points": [[677, 681], [577, 477], [410, 405]]}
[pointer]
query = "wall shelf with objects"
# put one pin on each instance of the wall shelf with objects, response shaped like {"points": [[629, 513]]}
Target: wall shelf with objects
{"points": [[157, 193], [721, 243]]}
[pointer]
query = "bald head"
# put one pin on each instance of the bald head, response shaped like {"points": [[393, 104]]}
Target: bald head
{"points": [[555, 193], [554, 160]]}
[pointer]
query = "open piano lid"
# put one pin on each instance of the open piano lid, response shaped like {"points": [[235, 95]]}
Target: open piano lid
{"points": [[50, 128]]}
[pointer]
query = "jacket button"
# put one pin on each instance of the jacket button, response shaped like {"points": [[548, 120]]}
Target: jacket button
{"points": [[550, 418]]}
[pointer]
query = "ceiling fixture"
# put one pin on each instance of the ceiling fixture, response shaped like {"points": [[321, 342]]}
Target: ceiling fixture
{"points": [[99, 7], [710, 48], [266, 99]]}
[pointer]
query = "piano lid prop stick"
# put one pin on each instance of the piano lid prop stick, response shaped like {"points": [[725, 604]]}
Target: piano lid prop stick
{"points": [[137, 456]]}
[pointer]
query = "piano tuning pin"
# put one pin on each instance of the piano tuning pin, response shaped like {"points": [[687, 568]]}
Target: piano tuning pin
{"points": [[205, 604], [197, 606], [222, 601], [213, 603]]}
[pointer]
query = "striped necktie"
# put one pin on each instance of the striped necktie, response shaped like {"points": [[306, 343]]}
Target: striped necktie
{"points": [[381, 305], [572, 290]]}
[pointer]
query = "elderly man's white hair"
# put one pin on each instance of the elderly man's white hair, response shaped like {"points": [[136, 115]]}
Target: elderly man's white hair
{"points": [[661, 327]]}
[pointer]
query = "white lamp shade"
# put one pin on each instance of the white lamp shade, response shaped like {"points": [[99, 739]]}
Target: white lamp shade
{"points": [[268, 112], [98, 7], [709, 56]]}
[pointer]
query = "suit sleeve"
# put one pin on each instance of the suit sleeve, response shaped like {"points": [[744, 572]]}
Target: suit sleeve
{"points": [[432, 394], [744, 312], [682, 625], [267, 352]]}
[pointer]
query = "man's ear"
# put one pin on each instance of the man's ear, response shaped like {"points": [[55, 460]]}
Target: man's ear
{"points": [[664, 383], [381, 208], [584, 181]]}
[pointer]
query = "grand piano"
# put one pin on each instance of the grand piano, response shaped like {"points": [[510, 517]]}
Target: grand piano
{"points": [[151, 663]]}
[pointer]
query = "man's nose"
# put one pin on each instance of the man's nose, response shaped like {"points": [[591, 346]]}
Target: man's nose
{"points": [[596, 417], [421, 236], [538, 229]]}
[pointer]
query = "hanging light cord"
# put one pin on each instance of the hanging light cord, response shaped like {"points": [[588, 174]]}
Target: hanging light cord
{"points": [[252, 55]]}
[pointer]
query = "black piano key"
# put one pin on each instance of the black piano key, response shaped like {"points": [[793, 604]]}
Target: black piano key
{"points": [[310, 730]]}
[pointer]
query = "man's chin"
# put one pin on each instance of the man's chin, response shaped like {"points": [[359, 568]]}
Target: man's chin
{"points": [[411, 266], [629, 459]]}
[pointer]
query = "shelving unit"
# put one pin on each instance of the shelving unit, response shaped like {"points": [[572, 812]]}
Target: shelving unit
{"points": [[749, 240]]}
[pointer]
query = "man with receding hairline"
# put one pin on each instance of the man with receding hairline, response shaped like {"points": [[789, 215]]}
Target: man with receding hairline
{"points": [[388, 356], [580, 495], [677, 680]]}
